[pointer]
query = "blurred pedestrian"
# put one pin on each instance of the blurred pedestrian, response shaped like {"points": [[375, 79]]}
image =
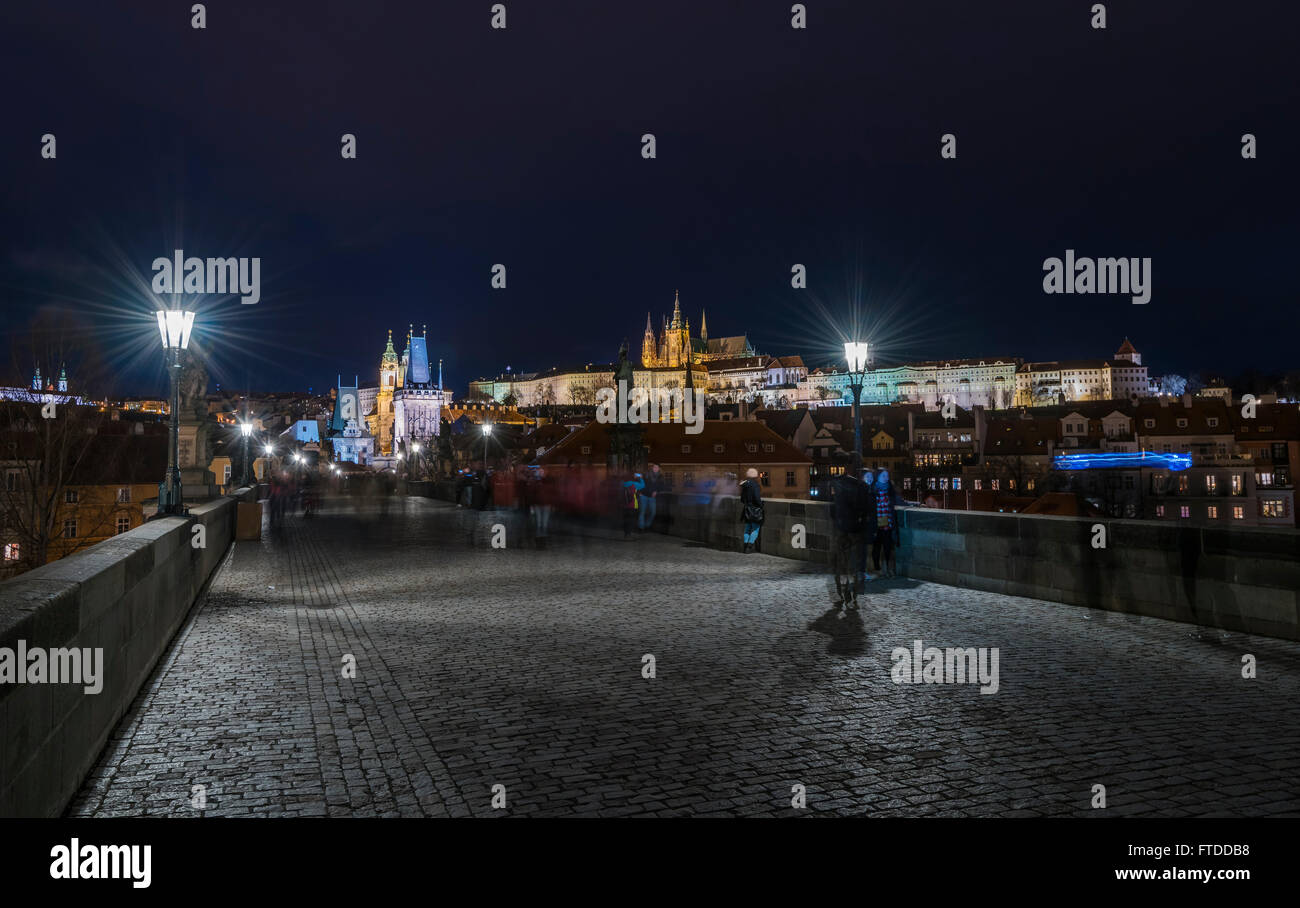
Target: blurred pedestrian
{"points": [[751, 509], [653, 486], [631, 490], [853, 516], [886, 520]]}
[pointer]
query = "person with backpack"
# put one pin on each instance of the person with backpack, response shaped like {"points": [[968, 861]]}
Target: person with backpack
{"points": [[631, 489], [852, 513], [751, 509], [885, 516]]}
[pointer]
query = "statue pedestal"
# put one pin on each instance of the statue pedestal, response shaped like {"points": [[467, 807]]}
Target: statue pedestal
{"points": [[197, 481]]}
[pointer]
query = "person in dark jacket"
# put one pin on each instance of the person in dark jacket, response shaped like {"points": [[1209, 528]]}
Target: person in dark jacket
{"points": [[751, 509], [853, 515], [886, 523]]}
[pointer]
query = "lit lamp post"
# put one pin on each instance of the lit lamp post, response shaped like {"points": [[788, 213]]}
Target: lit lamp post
{"points": [[246, 430], [270, 465], [411, 464], [856, 353], [174, 325], [487, 433]]}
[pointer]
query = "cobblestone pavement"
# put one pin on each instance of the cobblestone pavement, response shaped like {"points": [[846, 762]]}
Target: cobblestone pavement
{"points": [[522, 668]]}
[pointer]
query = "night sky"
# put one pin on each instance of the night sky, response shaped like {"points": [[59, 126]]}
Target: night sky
{"points": [[775, 146]]}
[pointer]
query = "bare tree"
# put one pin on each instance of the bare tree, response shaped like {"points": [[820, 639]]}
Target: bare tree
{"points": [[51, 441]]}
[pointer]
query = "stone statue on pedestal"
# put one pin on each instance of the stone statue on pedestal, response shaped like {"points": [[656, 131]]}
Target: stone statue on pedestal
{"points": [[197, 480], [626, 451]]}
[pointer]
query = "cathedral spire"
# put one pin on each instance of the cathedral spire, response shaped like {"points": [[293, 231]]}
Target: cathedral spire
{"points": [[704, 327], [390, 349]]}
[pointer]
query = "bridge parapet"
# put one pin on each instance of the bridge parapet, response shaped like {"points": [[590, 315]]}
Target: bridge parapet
{"points": [[1244, 579], [127, 597]]}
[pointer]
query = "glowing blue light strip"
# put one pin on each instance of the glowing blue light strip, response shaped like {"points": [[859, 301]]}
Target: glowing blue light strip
{"points": [[1174, 462]]}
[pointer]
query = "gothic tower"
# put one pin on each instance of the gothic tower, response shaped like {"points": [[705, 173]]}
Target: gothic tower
{"points": [[406, 358], [649, 347]]}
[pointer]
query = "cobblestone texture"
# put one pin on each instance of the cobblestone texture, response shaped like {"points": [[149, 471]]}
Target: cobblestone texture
{"points": [[522, 667]]}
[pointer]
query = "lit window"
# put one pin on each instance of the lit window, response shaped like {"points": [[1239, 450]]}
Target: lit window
{"points": [[764, 478], [1211, 484], [979, 485], [1238, 512], [1160, 510], [1236, 483], [1263, 479], [956, 483], [995, 485], [1184, 511], [1212, 512], [124, 495], [12, 551], [1272, 507]]}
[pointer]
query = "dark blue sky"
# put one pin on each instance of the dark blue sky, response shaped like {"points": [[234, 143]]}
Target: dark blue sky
{"points": [[775, 146]]}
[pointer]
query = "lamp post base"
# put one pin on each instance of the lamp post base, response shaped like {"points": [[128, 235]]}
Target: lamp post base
{"points": [[171, 499]]}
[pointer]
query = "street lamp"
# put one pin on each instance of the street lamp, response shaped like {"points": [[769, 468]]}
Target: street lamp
{"points": [[246, 429], [856, 352], [174, 325], [487, 433]]}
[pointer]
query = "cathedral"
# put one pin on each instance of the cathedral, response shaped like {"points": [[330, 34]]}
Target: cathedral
{"points": [[674, 346]]}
